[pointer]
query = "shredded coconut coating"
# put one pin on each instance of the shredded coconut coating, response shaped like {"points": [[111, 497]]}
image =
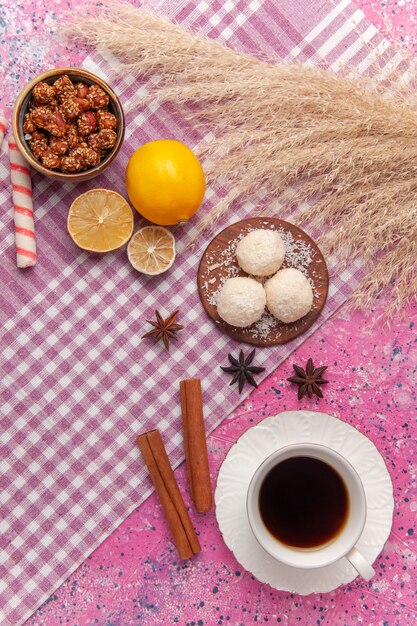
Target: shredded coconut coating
{"points": [[289, 295], [261, 252], [241, 301]]}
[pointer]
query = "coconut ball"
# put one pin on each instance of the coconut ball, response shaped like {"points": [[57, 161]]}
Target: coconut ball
{"points": [[241, 301], [261, 252], [289, 295]]}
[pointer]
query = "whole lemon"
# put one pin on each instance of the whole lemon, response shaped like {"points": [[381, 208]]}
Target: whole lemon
{"points": [[165, 181]]}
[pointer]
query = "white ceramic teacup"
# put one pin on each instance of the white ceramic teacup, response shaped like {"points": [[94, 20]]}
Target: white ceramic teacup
{"points": [[343, 544]]}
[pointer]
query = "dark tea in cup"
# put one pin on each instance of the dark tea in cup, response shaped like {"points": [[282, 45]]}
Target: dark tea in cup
{"points": [[303, 502]]}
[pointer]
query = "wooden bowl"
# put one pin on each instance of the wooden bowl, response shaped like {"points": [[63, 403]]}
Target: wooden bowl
{"points": [[21, 108], [219, 263]]}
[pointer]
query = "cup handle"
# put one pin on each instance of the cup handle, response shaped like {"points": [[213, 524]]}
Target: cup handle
{"points": [[360, 564]]}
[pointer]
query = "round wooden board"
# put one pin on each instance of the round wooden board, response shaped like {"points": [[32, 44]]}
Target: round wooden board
{"points": [[219, 263]]}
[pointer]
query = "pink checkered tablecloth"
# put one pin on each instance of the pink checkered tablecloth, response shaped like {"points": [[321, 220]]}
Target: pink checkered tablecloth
{"points": [[78, 384]]}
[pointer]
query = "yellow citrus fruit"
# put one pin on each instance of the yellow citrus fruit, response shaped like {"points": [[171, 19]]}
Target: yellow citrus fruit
{"points": [[100, 220], [165, 181], [152, 250]]}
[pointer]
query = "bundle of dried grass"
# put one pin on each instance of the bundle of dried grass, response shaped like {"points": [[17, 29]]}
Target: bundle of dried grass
{"points": [[277, 126]]}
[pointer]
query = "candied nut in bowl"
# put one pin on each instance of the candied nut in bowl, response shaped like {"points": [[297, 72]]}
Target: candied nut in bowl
{"points": [[56, 114]]}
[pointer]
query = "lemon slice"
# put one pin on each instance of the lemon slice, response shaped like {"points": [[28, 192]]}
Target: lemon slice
{"points": [[100, 220], [152, 250]]}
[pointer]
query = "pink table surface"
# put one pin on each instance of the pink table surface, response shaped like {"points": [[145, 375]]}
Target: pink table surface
{"points": [[135, 577]]}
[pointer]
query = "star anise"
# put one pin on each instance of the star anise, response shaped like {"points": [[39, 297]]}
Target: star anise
{"points": [[242, 369], [309, 379], [164, 329]]}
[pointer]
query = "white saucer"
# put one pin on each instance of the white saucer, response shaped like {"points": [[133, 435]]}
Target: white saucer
{"points": [[247, 454]]}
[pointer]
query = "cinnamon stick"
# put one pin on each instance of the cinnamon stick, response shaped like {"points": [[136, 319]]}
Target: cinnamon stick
{"points": [[195, 444], [156, 459]]}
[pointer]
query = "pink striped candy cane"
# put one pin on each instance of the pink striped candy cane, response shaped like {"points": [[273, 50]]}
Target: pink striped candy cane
{"points": [[23, 207], [3, 126]]}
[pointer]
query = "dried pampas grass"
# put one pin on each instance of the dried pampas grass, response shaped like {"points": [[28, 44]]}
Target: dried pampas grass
{"points": [[337, 143]]}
